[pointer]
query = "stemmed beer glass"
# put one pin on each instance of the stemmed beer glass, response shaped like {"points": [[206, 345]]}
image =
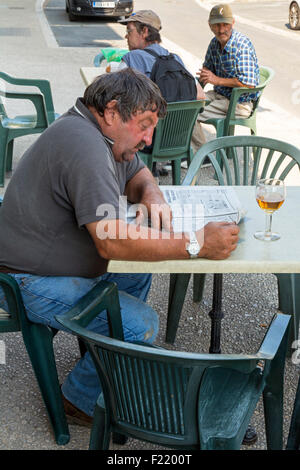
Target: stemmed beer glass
{"points": [[270, 195]]}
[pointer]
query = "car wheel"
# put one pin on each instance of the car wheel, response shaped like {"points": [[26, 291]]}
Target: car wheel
{"points": [[294, 16], [71, 16]]}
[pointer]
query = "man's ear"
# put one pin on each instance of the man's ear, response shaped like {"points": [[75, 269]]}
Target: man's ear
{"points": [[145, 32], [111, 112]]}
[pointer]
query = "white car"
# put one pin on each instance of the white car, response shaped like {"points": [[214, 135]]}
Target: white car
{"points": [[294, 15]]}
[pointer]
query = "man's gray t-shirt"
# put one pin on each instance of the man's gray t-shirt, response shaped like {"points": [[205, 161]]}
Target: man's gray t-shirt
{"points": [[55, 190]]}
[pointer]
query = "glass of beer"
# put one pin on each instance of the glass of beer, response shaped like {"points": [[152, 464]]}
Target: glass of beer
{"points": [[270, 195]]}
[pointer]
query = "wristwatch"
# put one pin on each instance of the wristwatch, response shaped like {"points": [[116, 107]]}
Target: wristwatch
{"points": [[193, 247]]}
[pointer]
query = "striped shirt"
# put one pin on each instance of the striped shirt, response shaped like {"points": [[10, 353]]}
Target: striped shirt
{"points": [[237, 60]]}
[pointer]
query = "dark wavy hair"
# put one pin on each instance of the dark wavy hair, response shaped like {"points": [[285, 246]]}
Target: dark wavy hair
{"points": [[132, 90]]}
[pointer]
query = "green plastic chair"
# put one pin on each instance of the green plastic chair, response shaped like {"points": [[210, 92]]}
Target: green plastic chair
{"points": [[11, 128], [225, 126], [111, 54], [293, 442], [38, 340], [179, 399], [281, 158], [173, 136]]}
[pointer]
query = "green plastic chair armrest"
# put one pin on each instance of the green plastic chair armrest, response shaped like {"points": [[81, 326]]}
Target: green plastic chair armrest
{"points": [[38, 101], [104, 296], [41, 84]]}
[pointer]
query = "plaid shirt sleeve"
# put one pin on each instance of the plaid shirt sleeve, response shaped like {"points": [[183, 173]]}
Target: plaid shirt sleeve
{"points": [[247, 70]]}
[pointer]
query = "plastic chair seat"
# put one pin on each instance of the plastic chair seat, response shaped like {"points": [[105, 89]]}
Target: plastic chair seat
{"points": [[19, 122], [232, 401]]}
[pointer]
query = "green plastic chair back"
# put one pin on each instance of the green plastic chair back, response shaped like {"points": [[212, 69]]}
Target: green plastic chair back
{"points": [[225, 126], [111, 54], [11, 128], [251, 158], [179, 399], [172, 136]]}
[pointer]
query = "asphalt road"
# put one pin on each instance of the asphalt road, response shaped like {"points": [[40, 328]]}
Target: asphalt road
{"points": [[185, 24]]}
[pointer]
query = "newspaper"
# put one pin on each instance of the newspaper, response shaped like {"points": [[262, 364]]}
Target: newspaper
{"points": [[195, 206]]}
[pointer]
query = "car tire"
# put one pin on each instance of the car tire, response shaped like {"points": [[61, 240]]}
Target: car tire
{"points": [[72, 17], [294, 16]]}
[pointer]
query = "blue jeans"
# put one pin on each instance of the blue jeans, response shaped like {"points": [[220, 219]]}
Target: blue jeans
{"points": [[45, 297]]}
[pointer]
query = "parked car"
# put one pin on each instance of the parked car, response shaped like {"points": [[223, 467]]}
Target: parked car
{"points": [[294, 15], [76, 8]]}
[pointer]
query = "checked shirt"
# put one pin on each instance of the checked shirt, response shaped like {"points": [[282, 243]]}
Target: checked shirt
{"points": [[237, 60]]}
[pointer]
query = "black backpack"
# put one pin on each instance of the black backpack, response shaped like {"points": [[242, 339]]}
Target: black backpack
{"points": [[174, 81]]}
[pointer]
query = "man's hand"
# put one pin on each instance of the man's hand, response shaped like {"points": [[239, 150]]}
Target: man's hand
{"points": [[207, 76], [159, 213], [220, 239]]}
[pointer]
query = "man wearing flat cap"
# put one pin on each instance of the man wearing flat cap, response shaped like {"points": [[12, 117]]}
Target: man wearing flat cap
{"points": [[230, 62]]}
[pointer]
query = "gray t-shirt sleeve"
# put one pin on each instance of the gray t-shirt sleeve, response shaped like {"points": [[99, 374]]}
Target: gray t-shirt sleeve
{"points": [[95, 180]]}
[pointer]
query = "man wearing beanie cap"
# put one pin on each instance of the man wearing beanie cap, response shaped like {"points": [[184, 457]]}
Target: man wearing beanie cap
{"points": [[230, 62], [143, 34]]}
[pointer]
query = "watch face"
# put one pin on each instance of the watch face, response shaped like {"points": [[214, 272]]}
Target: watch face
{"points": [[193, 249]]}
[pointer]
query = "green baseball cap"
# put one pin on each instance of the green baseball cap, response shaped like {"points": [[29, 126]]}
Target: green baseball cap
{"points": [[220, 14]]}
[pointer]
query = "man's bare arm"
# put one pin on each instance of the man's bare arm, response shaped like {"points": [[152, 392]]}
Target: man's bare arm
{"points": [[115, 239]]}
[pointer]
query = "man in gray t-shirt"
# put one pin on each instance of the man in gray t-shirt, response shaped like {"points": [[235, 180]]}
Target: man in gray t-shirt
{"points": [[61, 219]]}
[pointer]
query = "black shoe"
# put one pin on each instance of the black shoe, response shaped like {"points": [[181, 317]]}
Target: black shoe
{"points": [[250, 436]]}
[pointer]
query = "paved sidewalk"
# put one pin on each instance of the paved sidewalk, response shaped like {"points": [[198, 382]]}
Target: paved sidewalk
{"points": [[250, 300]]}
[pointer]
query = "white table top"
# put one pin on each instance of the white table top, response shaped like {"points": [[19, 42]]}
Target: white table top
{"points": [[89, 73], [251, 255]]}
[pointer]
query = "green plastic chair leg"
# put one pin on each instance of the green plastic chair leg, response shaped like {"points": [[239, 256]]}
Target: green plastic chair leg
{"points": [[289, 303], [273, 398], [39, 344], [176, 172], [3, 153], [293, 442], [9, 155], [177, 291], [198, 287], [273, 420], [100, 435]]}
